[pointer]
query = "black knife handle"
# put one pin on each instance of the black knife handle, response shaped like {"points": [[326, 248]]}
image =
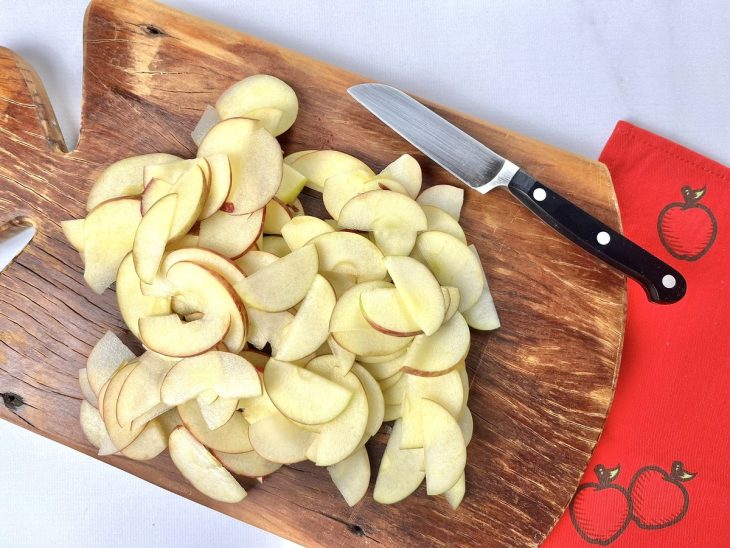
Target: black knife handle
{"points": [[662, 283]]}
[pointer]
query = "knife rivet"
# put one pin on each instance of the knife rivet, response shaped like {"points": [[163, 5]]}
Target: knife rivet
{"points": [[669, 281], [603, 237], [539, 194]]}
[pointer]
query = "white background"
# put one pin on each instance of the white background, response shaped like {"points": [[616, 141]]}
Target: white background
{"points": [[561, 71]]}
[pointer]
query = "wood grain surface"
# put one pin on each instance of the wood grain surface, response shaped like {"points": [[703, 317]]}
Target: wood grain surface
{"points": [[540, 386]]}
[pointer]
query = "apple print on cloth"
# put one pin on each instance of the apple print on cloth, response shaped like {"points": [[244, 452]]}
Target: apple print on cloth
{"points": [[669, 418]]}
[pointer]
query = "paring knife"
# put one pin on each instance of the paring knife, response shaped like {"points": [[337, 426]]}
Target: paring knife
{"points": [[484, 170]]}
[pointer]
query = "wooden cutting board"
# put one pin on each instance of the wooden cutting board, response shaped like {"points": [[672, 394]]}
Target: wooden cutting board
{"points": [[540, 386]]}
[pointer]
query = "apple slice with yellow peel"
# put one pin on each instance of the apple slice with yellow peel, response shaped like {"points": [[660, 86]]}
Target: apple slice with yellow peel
{"points": [[268, 117], [300, 230], [124, 178], [153, 192], [228, 375], [437, 354], [320, 165], [440, 221], [191, 189], [283, 283], [302, 395], [86, 391], [443, 447], [376, 403], [453, 264], [352, 476], [220, 184], [231, 235], [218, 412], [205, 258], [109, 232], [401, 470], [232, 437], [386, 312], [202, 469], [277, 215], [278, 439], [351, 254], [92, 425], [108, 354], [310, 327], [407, 171], [275, 245], [254, 261], [482, 314], [453, 298], [141, 390], [74, 232], [249, 464], [446, 197], [258, 92], [382, 210], [395, 242], [342, 187], [151, 237], [384, 370], [419, 291], [292, 183], [133, 303]]}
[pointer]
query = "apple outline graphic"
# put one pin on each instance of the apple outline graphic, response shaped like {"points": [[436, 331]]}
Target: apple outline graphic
{"points": [[680, 220], [581, 517], [644, 499]]}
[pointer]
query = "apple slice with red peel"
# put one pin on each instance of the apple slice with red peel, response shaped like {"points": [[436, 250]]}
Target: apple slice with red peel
{"points": [[277, 215], [109, 232], [453, 264], [254, 261], [124, 178], [231, 235], [443, 447], [342, 187], [401, 470], [376, 403], [202, 469], [382, 210], [440, 221], [292, 183], [283, 283], [351, 254], [208, 119], [278, 439], [386, 312], [482, 314], [141, 390], [218, 412], [310, 327], [407, 171], [302, 395], [320, 165], [437, 354], [275, 245], [108, 354], [92, 425], [73, 230], [300, 230], [453, 298], [446, 197], [232, 437], [220, 184], [151, 237], [249, 464], [206, 258], [192, 190], [387, 369], [86, 391], [133, 303], [352, 476]]}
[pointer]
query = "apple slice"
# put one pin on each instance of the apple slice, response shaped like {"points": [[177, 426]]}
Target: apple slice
{"points": [[440, 221], [310, 327], [320, 165], [395, 394], [456, 493], [254, 261], [133, 303], [189, 240], [376, 403], [446, 197], [340, 282], [108, 236], [258, 92], [443, 447], [192, 190], [249, 464], [278, 439], [171, 171], [141, 389], [292, 183], [207, 259], [401, 470], [384, 370], [300, 230], [395, 242], [231, 235], [153, 192], [292, 157], [283, 283], [74, 232], [232, 437], [275, 245], [387, 382], [86, 391], [386, 312], [351, 254], [277, 215], [120, 436], [124, 178], [342, 187], [382, 210], [267, 327], [230, 137], [108, 354], [228, 375], [367, 360], [466, 423], [268, 117], [92, 425], [345, 358], [220, 184], [453, 265], [453, 297], [151, 237], [352, 476], [482, 314], [437, 354], [302, 395], [208, 119], [446, 390], [153, 439], [218, 412], [407, 171], [202, 469]]}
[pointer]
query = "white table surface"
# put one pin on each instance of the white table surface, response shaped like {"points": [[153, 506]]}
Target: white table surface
{"points": [[562, 71]]}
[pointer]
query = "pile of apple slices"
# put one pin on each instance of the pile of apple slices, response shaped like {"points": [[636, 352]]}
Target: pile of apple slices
{"points": [[273, 337]]}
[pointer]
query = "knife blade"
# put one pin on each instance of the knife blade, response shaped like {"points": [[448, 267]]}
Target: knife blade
{"points": [[482, 169]]}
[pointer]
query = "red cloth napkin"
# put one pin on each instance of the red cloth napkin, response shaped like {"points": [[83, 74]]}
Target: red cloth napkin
{"points": [[660, 474]]}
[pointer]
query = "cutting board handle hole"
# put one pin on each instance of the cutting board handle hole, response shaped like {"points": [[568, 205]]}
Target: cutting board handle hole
{"points": [[15, 235]]}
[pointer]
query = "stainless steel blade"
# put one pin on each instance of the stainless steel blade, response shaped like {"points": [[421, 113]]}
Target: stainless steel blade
{"points": [[455, 151]]}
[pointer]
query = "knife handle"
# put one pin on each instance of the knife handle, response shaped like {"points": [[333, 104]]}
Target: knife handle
{"points": [[662, 283]]}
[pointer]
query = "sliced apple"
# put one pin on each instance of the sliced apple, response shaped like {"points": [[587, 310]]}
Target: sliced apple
{"points": [[151, 237], [482, 314], [277, 215], [275, 245], [133, 303], [267, 327], [208, 119], [456, 493], [394, 394], [189, 240], [453, 297], [254, 260], [124, 178], [204, 257], [278, 439], [92, 425], [217, 412], [230, 137], [386, 312], [384, 370], [292, 157], [302, 395], [352, 476], [441, 352], [300, 230], [342, 187], [231, 235], [86, 391], [320, 165], [382, 210], [249, 464], [74, 232], [453, 264], [367, 360], [440, 221], [154, 191], [172, 171], [283, 283], [376, 403], [220, 184], [192, 190], [387, 382], [141, 389], [108, 354], [446, 390], [340, 281], [345, 358], [351, 254], [268, 117], [443, 447], [395, 242], [292, 183], [232, 437], [466, 423], [202, 469], [401, 470], [153, 439], [392, 413], [120, 436], [407, 171], [446, 197]]}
